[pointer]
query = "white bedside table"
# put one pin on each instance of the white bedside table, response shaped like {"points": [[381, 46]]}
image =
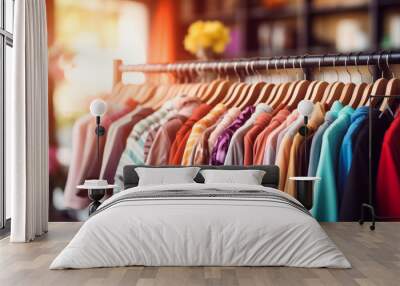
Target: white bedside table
{"points": [[95, 193]]}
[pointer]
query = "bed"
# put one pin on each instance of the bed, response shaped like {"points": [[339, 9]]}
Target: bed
{"points": [[198, 224]]}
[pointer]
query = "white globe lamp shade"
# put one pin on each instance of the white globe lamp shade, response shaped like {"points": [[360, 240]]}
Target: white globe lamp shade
{"points": [[305, 108], [98, 107]]}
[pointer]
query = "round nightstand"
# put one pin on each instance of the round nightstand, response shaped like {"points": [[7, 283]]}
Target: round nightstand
{"points": [[95, 193], [305, 190]]}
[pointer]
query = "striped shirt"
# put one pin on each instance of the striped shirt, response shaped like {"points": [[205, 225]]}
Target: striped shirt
{"points": [[134, 150], [198, 128]]}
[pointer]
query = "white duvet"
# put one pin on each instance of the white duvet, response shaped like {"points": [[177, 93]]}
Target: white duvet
{"points": [[200, 231]]}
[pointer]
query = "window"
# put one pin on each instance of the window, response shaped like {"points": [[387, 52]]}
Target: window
{"points": [[6, 44]]}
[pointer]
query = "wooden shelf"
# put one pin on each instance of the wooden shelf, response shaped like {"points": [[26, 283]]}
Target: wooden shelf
{"points": [[332, 10], [276, 14], [247, 18]]}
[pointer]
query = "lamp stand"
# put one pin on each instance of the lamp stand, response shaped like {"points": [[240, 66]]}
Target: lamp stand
{"points": [[100, 131]]}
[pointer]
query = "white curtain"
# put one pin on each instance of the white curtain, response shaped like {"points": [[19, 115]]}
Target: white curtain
{"points": [[27, 124]]}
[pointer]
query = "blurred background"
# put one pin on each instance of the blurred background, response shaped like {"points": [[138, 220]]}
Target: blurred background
{"points": [[85, 36]]}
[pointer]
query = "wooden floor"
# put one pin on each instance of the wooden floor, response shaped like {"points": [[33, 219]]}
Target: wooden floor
{"points": [[375, 257]]}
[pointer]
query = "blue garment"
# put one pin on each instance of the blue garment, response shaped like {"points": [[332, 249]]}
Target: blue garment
{"points": [[316, 143], [346, 150], [325, 206]]}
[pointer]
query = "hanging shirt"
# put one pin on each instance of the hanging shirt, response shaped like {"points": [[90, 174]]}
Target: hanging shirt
{"points": [[316, 119], [315, 150], [325, 197], [179, 144], [116, 141], [221, 147], [261, 123], [388, 177], [346, 149], [261, 140], [159, 150], [235, 153], [283, 152], [356, 190], [198, 128], [201, 154], [227, 119], [270, 150], [134, 150]]}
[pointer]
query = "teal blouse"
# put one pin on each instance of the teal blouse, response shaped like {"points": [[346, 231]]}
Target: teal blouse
{"points": [[325, 206]]}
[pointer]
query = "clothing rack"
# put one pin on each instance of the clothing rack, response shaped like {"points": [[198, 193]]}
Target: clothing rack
{"points": [[379, 59]]}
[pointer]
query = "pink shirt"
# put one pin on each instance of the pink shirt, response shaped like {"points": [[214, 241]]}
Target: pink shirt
{"points": [[271, 145]]}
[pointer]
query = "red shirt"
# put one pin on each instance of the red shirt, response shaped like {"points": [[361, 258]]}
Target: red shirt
{"points": [[388, 177], [178, 147], [261, 122]]}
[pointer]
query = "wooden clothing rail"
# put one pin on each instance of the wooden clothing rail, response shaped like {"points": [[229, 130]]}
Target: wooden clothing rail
{"points": [[379, 59]]}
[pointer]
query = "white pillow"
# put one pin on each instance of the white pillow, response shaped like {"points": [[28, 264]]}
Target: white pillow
{"points": [[247, 177], [166, 176]]}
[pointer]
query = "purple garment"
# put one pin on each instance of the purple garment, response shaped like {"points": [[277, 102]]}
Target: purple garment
{"points": [[221, 147]]}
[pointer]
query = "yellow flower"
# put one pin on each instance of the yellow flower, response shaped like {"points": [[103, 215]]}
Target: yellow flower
{"points": [[206, 35]]}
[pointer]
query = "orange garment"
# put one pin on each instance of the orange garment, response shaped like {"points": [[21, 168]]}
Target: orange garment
{"points": [[198, 128], [259, 125], [261, 140], [316, 119], [178, 147]]}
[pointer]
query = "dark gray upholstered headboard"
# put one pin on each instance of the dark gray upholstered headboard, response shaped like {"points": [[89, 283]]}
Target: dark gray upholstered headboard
{"points": [[271, 177]]}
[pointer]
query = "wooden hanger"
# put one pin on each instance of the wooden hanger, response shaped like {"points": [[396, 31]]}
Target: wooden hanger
{"points": [[298, 94], [161, 92], [235, 94], [347, 92], [253, 94], [281, 93], [335, 92], [378, 88], [254, 91], [316, 89], [264, 93], [392, 88], [348, 88], [310, 89], [358, 89], [356, 97], [220, 92], [365, 96]]}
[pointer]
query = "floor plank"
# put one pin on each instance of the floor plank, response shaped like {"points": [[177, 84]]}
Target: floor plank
{"points": [[375, 257]]}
